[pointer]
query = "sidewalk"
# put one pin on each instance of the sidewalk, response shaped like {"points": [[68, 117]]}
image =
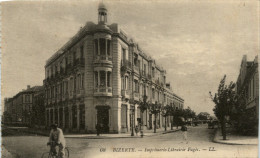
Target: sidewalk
{"points": [[235, 139], [5, 153], [147, 133]]}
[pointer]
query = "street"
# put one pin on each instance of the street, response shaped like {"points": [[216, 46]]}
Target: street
{"points": [[165, 145]]}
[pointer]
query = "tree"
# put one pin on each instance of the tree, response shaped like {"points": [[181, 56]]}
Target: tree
{"points": [[178, 113], [172, 113], [188, 113], [224, 100], [143, 105], [155, 109], [166, 112], [203, 115]]}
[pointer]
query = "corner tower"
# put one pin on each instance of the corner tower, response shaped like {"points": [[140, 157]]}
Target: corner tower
{"points": [[102, 14]]}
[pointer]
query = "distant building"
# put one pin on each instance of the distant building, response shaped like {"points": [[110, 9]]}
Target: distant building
{"points": [[99, 76], [248, 84], [19, 107], [38, 108]]}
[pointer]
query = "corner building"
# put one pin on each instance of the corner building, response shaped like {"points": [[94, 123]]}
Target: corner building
{"points": [[99, 76]]}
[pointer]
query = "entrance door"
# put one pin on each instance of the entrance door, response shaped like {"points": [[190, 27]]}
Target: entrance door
{"points": [[103, 118]]}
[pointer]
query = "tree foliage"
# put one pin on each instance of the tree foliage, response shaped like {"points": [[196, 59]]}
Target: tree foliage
{"points": [[225, 99]]}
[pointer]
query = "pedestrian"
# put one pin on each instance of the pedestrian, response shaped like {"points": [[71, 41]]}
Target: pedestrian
{"points": [[98, 128], [136, 130], [184, 132]]}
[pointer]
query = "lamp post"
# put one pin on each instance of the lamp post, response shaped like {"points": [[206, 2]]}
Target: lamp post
{"points": [[132, 108]]}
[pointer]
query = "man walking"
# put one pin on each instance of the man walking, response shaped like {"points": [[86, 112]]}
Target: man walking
{"points": [[184, 132]]}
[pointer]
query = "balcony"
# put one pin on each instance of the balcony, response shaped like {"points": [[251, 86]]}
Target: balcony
{"points": [[103, 59], [136, 69], [79, 62], [136, 96], [103, 91], [68, 69], [125, 93], [65, 96], [153, 100], [80, 93], [58, 98], [125, 66], [53, 100]]}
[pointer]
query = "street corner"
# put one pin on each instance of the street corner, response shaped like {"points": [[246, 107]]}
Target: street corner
{"points": [[234, 140]]}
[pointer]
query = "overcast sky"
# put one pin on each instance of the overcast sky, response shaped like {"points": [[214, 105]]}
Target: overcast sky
{"points": [[197, 42]]}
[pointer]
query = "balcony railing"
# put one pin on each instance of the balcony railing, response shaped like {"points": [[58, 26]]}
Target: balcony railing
{"points": [[79, 62], [136, 69], [103, 58], [125, 93], [103, 91], [126, 63], [136, 96]]}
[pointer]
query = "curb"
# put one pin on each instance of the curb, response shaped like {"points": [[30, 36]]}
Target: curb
{"points": [[226, 143], [106, 137]]}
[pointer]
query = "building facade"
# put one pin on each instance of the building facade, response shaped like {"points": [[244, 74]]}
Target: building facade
{"points": [[248, 86], [19, 107], [100, 76], [38, 108]]}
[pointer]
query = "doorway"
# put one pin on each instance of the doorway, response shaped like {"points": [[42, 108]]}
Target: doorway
{"points": [[103, 118]]}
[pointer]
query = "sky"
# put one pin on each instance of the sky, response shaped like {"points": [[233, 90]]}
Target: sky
{"points": [[197, 42]]}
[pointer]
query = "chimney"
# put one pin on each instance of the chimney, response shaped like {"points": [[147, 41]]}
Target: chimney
{"points": [[168, 85], [28, 86]]}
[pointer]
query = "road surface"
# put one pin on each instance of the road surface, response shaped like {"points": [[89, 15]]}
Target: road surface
{"points": [[167, 145]]}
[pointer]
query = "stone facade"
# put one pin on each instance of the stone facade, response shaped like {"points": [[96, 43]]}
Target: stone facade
{"points": [[98, 76], [248, 84], [19, 107]]}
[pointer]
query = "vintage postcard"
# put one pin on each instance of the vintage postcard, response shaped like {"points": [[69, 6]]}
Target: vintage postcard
{"points": [[118, 78]]}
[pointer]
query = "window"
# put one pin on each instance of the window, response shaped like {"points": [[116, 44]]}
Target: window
{"points": [[108, 47], [96, 46], [56, 91], [75, 84], [81, 52], [123, 55], [144, 89], [136, 86], [66, 61], [74, 56], [126, 83], [102, 78], [108, 79], [67, 86], [82, 81], [102, 43], [27, 98], [96, 78], [122, 83], [144, 69], [153, 93], [78, 81]]}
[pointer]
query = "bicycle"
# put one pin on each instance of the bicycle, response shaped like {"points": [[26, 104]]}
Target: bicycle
{"points": [[50, 154]]}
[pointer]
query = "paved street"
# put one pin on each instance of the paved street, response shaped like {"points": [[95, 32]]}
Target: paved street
{"points": [[166, 145]]}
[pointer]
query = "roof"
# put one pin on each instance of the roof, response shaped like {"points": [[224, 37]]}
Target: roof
{"points": [[30, 90]]}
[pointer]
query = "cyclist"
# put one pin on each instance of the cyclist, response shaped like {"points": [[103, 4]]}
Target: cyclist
{"points": [[57, 140]]}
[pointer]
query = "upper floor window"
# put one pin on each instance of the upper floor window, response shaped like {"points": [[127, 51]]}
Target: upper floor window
{"points": [[81, 52], [102, 46], [27, 98], [144, 69], [74, 56]]}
